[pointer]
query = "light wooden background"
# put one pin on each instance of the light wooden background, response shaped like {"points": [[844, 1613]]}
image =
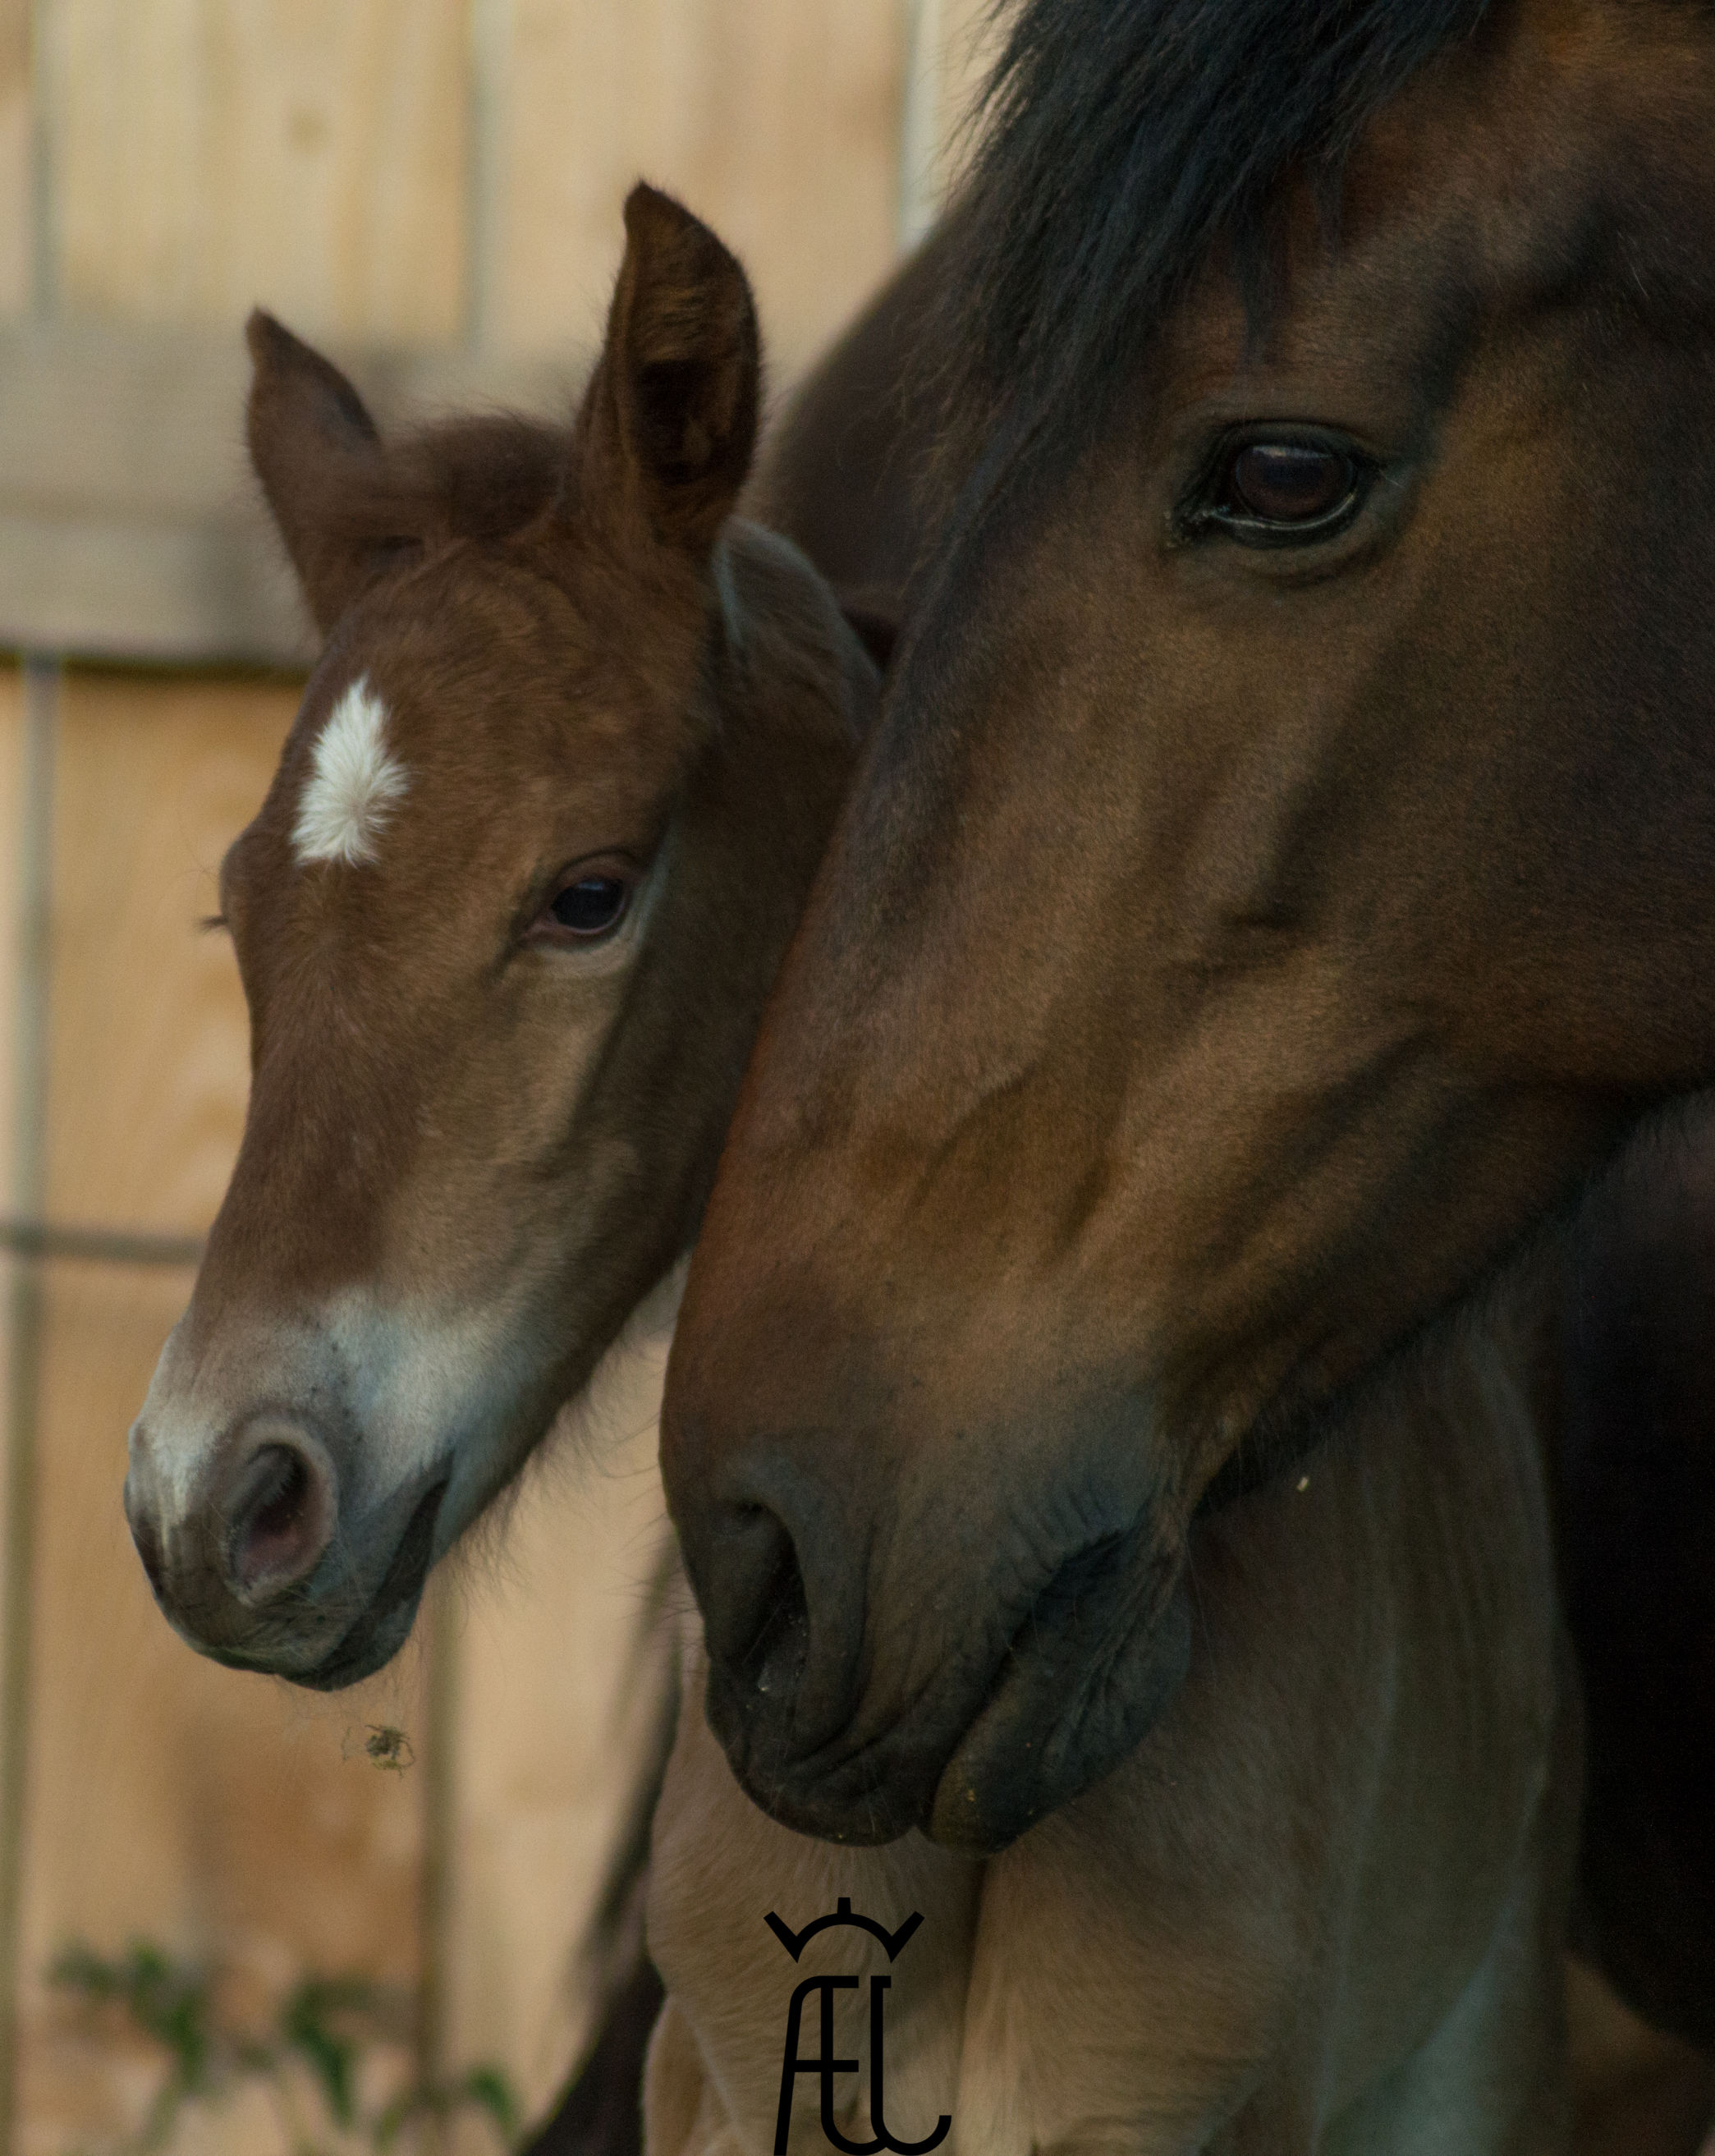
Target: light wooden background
{"points": [[439, 179]]}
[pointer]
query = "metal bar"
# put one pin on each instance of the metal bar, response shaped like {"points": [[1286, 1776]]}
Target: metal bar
{"points": [[29, 1178], [489, 32], [101, 1246], [43, 224], [439, 1787], [920, 122], [488, 46]]}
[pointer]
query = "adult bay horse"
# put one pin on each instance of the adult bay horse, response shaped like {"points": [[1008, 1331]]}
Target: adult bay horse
{"points": [[1628, 1398], [505, 921], [1278, 881]]}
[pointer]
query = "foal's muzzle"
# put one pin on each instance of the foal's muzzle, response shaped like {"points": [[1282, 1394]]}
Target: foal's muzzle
{"points": [[253, 1564]]}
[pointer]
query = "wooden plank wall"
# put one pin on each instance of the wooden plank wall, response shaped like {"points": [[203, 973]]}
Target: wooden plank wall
{"points": [[441, 178], [310, 152], [777, 123], [15, 192], [318, 155], [163, 1800]]}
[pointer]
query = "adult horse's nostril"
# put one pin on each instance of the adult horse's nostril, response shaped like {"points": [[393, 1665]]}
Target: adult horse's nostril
{"points": [[775, 1661], [780, 1579], [280, 1510], [758, 1595]]}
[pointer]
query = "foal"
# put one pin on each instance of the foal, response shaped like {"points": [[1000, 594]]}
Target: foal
{"points": [[1319, 1912], [505, 922]]}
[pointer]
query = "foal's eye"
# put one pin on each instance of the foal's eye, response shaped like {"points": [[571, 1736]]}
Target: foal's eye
{"points": [[1281, 490], [589, 905]]}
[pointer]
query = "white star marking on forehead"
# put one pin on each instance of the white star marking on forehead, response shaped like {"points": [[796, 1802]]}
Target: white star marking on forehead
{"points": [[353, 781]]}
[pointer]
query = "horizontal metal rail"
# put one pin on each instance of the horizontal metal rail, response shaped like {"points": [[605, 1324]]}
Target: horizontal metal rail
{"points": [[100, 1246]]}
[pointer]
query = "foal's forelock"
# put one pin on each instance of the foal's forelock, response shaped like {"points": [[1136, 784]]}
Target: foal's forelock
{"points": [[354, 782]]}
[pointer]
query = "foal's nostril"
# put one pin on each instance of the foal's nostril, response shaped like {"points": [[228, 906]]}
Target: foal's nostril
{"points": [[141, 1503], [148, 1543], [281, 1515]]}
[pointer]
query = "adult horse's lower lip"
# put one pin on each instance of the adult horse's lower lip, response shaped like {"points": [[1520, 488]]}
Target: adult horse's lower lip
{"points": [[382, 1627], [1100, 1651], [1089, 1671]]}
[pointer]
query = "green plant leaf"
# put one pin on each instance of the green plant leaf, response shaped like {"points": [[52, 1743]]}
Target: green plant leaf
{"points": [[330, 2056], [488, 2087], [77, 1968], [386, 2129], [166, 2000], [326, 2024]]}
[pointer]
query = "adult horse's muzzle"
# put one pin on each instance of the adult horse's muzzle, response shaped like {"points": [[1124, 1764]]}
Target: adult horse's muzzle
{"points": [[1084, 1676], [963, 1661]]}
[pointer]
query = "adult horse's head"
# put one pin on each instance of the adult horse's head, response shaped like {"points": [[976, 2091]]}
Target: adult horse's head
{"points": [[1284, 869], [505, 921]]}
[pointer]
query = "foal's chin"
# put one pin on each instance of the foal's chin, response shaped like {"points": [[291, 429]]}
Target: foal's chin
{"points": [[371, 1643], [384, 1624]]}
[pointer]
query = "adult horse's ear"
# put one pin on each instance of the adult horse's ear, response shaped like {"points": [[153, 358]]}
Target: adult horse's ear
{"points": [[321, 464], [669, 423]]}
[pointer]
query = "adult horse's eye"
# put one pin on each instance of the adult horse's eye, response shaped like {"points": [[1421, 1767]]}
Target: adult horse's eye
{"points": [[1290, 482], [1284, 491]]}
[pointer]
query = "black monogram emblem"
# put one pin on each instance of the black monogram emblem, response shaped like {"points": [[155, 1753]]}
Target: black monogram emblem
{"points": [[825, 2064]]}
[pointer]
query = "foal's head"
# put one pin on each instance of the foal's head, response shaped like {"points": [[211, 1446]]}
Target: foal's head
{"points": [[505, 923]]}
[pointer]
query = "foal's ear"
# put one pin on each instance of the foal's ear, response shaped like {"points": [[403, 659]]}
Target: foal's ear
{"points": [[669, 423], [323, 467]]}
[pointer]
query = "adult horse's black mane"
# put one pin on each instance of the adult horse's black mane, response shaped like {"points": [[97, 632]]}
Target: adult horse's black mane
{"points": [[1122, 139]]}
